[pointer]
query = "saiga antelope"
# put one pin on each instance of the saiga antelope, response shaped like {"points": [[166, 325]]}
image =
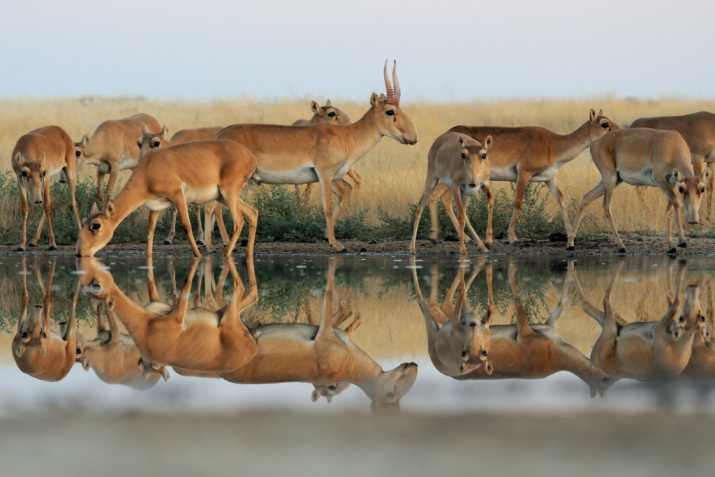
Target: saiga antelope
{"points": [[113, 148], [698, 130], [460, 163], [534, 154], [37, 156], [702, 357], [195, 172], [534, 351], [645, 350], [458, 341], [38, 351], [323, 153], [322, 355], [645, 157], [209, 342]]}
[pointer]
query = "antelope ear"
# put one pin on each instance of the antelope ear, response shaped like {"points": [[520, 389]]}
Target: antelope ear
{"points": [[374, 100], [109, 210], [145, 130], [85, 140], [593, 116], [705, 175], [42, 159], [673, 178], [19, 349], [19, 159], [315, 107], [315, 395], [85, 364], [94, 209], [165, 131], [165, 374], [110, 303], [328, 103], [488, 143], [488, 367], [462, 143]]}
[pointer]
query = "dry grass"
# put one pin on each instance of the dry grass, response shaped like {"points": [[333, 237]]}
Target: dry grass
{"points": [[393, 174]]}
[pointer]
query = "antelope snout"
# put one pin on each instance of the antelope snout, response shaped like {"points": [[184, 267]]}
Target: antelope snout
{"points": [[473, 185]]}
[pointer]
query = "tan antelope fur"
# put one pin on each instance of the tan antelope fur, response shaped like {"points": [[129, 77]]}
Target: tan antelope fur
{"points": [[645, 157], [698, 130], [322, 355], [702, 357], [645, 350], [323, 153], [534, 351], [150, 140], [203, 341], [38, 351], [113, 148], [458, 341], [534, 154], [461, 164], [329, 114], [113, 355], [195, 172], [37, 156]]}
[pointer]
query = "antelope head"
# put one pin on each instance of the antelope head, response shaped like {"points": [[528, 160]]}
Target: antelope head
{"points": [[471, 336], [599, 382], [691, 190], [32, 332], [387, 389], [152, 140], [97, 230], [79, 152], [32, 173], [390, 119], [474, 156], [328, 114], [691, 319], [599, 125]]}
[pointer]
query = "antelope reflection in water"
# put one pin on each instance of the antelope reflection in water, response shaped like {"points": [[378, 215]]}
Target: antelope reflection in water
{"points": [[523, 350], [646, 350], [322, 355], [38, 351], [198, 339]]}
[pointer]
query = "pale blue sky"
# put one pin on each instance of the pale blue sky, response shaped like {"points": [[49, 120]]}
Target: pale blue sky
{"points": [[446, 50]]}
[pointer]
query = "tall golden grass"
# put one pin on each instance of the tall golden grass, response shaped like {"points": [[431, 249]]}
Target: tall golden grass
{"points": [[393, 174]]}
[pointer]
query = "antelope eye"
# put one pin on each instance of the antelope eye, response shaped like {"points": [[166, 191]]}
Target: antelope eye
{"points": [[24, 174], [484, 353], [96, 226], [155, 143], [78, 153], [24, 334], [484, 156], [681, 319], [464, 156], [605, 125], [44, 335], [702, 190], [390, 112], [332, 388], [139, 143], [702, 318], [44, 173], [331, 114], [681, 189], [390, 395]]}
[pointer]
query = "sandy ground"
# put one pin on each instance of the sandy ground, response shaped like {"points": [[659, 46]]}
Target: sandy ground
{"points": [[635, 245], [302, 444]]}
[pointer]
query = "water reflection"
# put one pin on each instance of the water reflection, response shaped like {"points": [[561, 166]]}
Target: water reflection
{"points": [[333, 322]]}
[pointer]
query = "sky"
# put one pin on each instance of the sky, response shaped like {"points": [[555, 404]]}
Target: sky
{"points": [[447, 50]]}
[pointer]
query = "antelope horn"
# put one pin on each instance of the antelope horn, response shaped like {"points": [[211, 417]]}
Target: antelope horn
{"points": [[397, 83], [388, 86]]}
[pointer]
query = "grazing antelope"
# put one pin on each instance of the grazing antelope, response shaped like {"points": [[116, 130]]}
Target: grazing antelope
{"points": [[323, 153], [195, 172], [458, 341], [645, 157], [645, 350], [534, 154], [322, 355], [698, 130], [38, 351], [460, 163], [534, 351], [202, 341], [329, 114], [114, 356], [37, 156], [113, 148], [154, 140]]}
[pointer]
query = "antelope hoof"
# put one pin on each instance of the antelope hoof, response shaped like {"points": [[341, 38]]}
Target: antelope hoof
{"points": [[167, 242], [52, 247], [200, 242], [31, 244], [20, 249], [434, 241], [571, 248], [488, 245], [244, 243], [622, 250], [683, 245], [673, 251]]}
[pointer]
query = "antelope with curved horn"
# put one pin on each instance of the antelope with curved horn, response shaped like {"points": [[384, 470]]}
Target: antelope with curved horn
{"points": [[113, 148], [322, 355], [208, 341], [534, 154], [460, 163], [645, 350], [645, 157], [323, 153], [37, 156], [458, 340], [698, 131], [195, 172], [38, 351]]}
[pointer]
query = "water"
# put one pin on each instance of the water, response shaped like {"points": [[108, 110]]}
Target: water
{"points": [[376, 300]]}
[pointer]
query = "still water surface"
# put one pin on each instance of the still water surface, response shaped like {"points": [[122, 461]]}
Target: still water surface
{"points": [[435, 335]]}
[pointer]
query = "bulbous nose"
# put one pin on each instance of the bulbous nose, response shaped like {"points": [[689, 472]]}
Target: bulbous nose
{"points": [[472, 185]]}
